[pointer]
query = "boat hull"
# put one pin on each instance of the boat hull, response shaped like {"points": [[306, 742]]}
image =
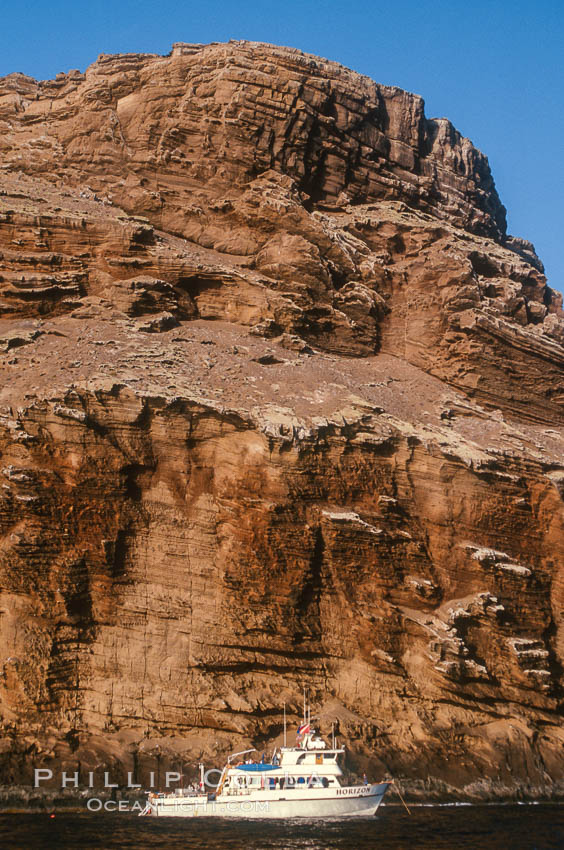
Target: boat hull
{"points": [[352, 801]]}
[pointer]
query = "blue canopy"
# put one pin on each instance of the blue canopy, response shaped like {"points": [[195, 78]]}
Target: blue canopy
{"points": [[257, 767]]}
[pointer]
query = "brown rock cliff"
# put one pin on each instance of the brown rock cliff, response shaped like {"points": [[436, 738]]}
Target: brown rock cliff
{"points": [[282, 406]]}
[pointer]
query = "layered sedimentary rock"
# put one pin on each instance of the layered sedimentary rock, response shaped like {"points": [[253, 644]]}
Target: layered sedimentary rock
{"points": [[281, 407]]}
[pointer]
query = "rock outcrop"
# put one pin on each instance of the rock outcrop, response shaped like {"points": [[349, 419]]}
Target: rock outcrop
{"points": [[282, 406]]}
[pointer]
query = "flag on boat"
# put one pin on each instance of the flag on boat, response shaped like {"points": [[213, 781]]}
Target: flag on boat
{"points": [[303, 729]]}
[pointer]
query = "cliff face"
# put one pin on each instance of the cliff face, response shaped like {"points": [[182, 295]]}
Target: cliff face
{"points": [[281, 406]]}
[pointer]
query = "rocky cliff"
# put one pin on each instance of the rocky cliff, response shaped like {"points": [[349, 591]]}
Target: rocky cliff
{"points": [[281, 406]]}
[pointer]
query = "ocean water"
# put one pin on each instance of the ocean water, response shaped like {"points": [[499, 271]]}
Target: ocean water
{"points": [[536, 827]]}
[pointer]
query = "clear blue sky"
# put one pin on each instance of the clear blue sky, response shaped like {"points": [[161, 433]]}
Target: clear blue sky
{"points": [[494, 68]]}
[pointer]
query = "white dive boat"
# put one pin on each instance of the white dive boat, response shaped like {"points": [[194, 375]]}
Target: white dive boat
{"points": [[301, 781]]}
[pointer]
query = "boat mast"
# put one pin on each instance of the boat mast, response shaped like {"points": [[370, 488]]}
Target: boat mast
{"points": [[285, 725]]}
